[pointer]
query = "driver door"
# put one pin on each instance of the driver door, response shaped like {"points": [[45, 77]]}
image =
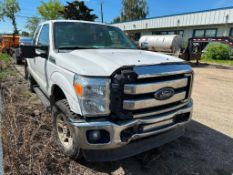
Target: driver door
{"points": [[40, 61]]}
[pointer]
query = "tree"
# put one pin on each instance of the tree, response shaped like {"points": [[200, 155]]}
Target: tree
{"points": [[1, 11], [24, 33], [50, 10], [8, 9], [134, 9], [77, 10], [116, 20], [32, 24]]}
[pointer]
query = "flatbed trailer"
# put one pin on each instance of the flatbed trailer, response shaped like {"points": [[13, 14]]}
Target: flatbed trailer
{"points": [[196, 45]]}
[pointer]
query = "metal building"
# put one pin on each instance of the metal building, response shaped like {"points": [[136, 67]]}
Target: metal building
{"points": [[208, 23]]}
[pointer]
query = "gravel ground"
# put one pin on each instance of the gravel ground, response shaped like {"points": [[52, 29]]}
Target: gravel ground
{"points": [[207, 146], [213, 97]]}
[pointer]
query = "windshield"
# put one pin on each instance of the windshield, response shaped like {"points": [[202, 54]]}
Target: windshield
{"points": [[75, 35]]}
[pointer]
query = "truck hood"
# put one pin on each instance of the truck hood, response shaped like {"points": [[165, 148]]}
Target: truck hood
{"points": [[103, 62]]}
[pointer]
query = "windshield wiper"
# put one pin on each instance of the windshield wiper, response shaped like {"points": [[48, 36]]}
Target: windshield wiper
{"points": [[72, 48]]}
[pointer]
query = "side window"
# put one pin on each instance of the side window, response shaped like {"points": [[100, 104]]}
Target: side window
{"points": [[43, 39], [210, 33], [36, 34], [231, 32], [199, 33]]}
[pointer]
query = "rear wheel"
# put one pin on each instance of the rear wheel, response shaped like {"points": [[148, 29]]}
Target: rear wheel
{"points": [[64, 132], [25, 71], [16, 59], [31, 82]]}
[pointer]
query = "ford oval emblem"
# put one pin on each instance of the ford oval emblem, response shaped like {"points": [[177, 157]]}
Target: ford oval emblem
{"points": [[164, 94]]}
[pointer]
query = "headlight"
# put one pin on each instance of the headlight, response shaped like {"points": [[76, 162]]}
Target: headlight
{"points": [[93, 95]]}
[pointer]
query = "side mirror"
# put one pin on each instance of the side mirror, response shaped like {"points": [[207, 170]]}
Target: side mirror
{"points": [[42, 51], [31, 51], [27, 51]]}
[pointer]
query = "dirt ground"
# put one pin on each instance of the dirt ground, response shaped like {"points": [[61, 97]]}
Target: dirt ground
{"points": [[206, 148]]}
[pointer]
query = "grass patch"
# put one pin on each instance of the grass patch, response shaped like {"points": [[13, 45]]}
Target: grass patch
{"points": [[5, 58], [221, 62], [6, 69], [7, 72]]}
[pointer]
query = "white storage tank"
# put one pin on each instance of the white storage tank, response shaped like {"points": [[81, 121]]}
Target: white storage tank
{"points": [[161, 43]]}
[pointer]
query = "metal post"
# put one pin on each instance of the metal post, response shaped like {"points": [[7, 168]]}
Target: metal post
{"points": [[102, 14]]}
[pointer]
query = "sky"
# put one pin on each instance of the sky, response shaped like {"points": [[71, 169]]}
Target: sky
{"points": [[112, 9]]}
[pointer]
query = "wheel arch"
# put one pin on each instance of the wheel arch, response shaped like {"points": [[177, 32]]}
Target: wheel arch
{"points": [[56, 94], [61, 88]]}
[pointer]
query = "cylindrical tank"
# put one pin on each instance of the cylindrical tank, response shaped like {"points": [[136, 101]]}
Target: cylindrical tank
{"points": [[161, 43]]}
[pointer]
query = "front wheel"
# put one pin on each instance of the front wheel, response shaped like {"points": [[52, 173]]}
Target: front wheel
{"points": [[63, 131]]}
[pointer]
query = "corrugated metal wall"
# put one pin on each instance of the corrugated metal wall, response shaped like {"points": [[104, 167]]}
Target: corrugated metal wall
{"points": [[213, 17]]}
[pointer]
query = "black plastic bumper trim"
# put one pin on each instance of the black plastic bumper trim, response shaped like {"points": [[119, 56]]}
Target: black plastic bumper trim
{"points": [[133, 148]]}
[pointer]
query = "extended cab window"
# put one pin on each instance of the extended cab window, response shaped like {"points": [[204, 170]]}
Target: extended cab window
{"points": [[43, 39], [76, 35]]}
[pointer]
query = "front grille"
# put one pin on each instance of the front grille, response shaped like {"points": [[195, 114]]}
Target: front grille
{"points": [[139, 97], [135, 97]]}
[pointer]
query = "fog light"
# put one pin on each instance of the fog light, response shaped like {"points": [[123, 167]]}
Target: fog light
{"points": [[93, 136], [98, 136]]}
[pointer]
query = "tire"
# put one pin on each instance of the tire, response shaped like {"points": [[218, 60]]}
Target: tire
{"points": [[64, 133], [18, 60], [14, 58], [25, 71], [31, 81]]}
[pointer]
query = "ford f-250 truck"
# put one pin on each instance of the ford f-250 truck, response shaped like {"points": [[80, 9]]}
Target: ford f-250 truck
{"points": [[108, 99]]}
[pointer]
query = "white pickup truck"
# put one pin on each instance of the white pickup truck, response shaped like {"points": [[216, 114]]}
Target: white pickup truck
{"points": [[108, 99]]}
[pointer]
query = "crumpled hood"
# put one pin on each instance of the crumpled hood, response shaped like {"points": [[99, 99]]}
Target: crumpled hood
{"points": [[103, 62]]}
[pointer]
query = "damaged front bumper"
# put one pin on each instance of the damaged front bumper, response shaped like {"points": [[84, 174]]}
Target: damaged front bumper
{"points": [[123, 133]]}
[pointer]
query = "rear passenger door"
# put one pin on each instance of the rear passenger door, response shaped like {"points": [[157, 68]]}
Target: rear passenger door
{"points": [[41, 62]]}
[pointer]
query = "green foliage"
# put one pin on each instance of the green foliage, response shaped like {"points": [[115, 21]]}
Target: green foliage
{"points": [[50, 10], [6, 73], [116, 20], [4, 58], [217, 51], [134, 9], [5, 68], [24, 33], [32, 24], [1, 11], [219, 62], [77, 10], [8, 9]]}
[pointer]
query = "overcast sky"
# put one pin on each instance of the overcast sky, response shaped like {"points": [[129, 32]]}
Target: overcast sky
{"points": [[112, 9]]}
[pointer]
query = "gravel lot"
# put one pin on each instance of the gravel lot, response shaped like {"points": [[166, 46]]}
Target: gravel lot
{"points": [[206, 148]]}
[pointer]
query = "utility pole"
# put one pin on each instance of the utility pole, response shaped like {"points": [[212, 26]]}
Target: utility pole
{"points": [[101, 11]]}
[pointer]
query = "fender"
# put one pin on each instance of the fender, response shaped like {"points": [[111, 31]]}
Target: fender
{"points": [[67, 88]]}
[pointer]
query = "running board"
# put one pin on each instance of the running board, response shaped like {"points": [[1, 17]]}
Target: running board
{"points": [[43, 98]]}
